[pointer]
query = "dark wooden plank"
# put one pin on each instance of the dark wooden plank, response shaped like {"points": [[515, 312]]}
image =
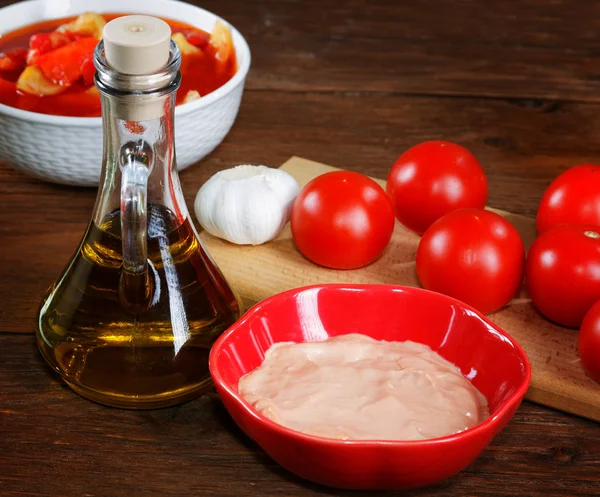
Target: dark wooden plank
{"points": [[521, 144], [523, 23], [53, 442], [532, 49], [424, 68]]}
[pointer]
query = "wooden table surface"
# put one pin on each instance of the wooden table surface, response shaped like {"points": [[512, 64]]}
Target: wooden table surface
{"points": [[351, 83]]}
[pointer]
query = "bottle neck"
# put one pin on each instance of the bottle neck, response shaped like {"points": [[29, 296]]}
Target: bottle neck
{"points": [[138, 166], [139, 154]]}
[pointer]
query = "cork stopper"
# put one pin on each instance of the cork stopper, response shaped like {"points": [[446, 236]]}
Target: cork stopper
{"points": [[137, 45]]}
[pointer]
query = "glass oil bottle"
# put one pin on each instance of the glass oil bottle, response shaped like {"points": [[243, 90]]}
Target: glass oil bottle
{"points": [[131, 320]]}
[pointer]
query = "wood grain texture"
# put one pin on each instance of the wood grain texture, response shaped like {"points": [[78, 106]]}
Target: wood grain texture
{"points": [[558, 379], [346, 82], [531, 48]]}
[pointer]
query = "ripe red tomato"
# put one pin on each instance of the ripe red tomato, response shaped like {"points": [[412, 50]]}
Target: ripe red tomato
{"points": [[589, 342], [473, 255], [342, 220], [572, 198], [563, 272], [432, 179]]}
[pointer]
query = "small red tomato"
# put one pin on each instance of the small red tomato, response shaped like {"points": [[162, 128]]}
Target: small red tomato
{"points": [[473, 255], [342, 220], [563, 272], [432, 179], [589, 342], [572, 198]]}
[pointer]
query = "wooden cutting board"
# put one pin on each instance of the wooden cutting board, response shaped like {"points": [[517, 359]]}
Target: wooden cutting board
{"points": [[558, 379]]}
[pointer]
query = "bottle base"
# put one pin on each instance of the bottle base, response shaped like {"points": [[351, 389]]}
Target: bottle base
{"points": [[112, 398], [141, 403]]}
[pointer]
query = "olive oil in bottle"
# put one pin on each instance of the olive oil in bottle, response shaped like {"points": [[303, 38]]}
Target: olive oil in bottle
{"points": [[131, 320]]}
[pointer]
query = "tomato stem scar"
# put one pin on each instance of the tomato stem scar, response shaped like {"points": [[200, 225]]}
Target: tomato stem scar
{"points": [[591, 234]]}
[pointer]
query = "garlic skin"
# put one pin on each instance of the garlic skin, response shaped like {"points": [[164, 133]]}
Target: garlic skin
{"points": [[246, 205]]}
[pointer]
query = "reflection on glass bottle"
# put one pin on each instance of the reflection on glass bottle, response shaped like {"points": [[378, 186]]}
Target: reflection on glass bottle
{"points": [[131, 320]]}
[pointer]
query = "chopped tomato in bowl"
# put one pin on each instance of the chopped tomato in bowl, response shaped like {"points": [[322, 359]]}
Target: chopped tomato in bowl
{"points": [[50, 108], [55, 57]]}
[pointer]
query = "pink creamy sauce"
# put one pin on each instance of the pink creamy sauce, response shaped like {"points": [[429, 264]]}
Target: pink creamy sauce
{"points": [[355, 387]]}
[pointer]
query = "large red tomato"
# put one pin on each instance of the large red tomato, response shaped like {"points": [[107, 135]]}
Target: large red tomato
{"points": [[572, 198], [563, 272], [342, 220], [589, 342], [473, 255], [432, 179]]}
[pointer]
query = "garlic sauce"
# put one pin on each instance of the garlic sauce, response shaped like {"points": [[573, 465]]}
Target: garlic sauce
{"points": [[355, 387]]}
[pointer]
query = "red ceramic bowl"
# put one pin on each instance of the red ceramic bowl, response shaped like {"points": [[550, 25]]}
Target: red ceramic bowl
{"points": [[486, 355]]}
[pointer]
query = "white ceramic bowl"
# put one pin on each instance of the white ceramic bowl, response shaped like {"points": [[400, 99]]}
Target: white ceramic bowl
{"points": [[68, 150]]}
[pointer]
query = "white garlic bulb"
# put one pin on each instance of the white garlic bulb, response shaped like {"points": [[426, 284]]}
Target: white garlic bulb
{"points": [[246, 205]]}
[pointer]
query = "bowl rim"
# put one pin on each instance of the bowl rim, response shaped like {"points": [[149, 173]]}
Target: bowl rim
{"points": [[238, 77], [515, 398]]}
